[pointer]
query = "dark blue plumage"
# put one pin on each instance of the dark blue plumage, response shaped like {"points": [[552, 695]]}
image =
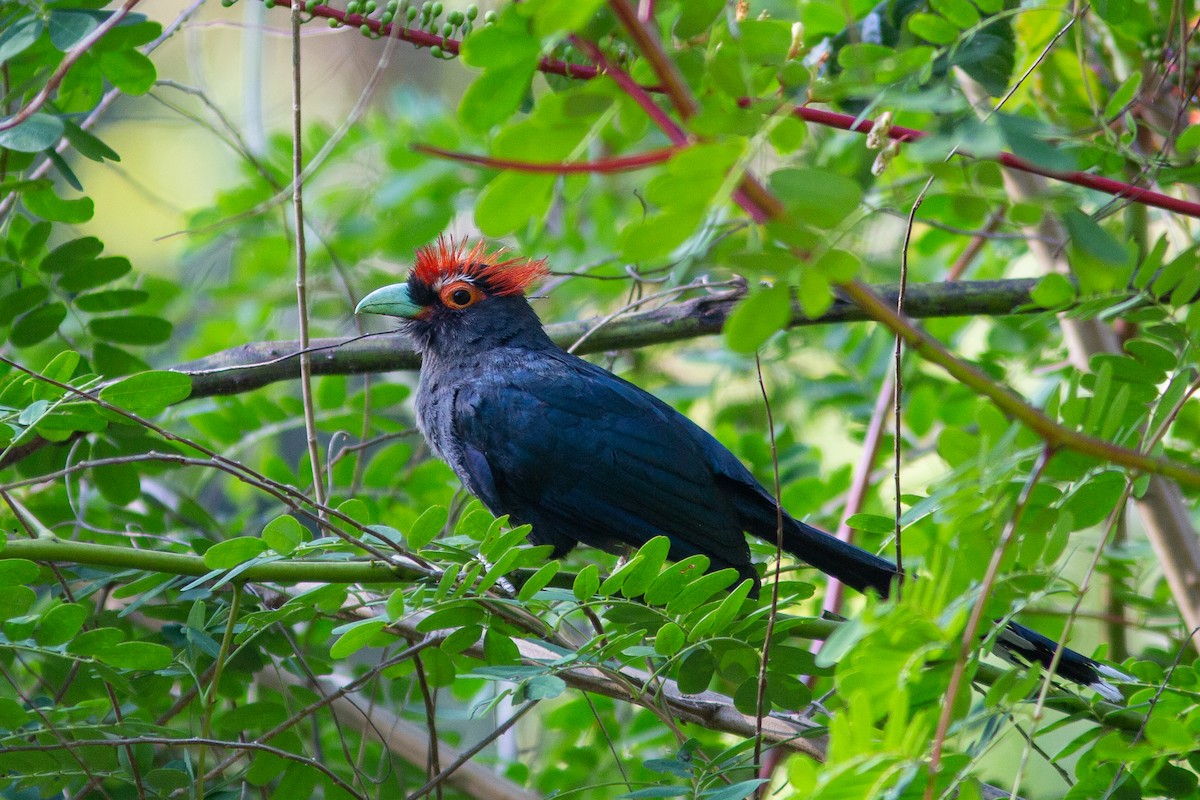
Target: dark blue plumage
{"points": [[584, 456]]}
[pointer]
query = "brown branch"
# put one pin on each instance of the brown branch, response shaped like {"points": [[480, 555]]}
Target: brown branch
{"points": [[41, 98], [601, 165], [254, 365], [832, 119]]}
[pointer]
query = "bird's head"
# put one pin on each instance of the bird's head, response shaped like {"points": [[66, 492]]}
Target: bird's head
{"points": [[458, 295]]}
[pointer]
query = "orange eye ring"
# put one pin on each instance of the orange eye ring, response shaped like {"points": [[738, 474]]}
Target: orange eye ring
{"points": [[460, 294]]}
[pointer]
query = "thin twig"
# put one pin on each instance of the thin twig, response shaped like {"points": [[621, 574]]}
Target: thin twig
{"points": [[971, 631], [310, 421]]}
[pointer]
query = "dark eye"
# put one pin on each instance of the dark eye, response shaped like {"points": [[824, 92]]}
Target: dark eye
{"points": [[460, 295]]}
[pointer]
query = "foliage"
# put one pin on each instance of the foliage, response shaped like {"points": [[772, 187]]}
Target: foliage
{"points": [[182, 616]]}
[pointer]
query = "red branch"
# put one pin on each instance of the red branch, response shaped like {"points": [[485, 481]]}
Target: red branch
{"points": [[1087, 180], [833, 119], [603, 165], [425, 39]]}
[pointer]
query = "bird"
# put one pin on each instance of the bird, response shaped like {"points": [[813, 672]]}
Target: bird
{"points": [[583, 456]]}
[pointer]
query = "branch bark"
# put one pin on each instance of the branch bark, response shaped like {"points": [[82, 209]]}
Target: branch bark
{"points": [[251, 366]]}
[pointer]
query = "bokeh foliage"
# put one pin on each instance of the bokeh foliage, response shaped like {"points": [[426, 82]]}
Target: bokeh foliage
{"points": [[103, 447]]}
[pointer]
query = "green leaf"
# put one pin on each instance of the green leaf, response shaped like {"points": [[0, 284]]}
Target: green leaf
{"points": [[91, 274], [283, 534], [46, 204], [512, 200], [818, 197], [120, 483], [37, 325], [674, 577], [131, 329], [537, 581], [814, 293], [355, 637], [148, 393], [495, 95], [872, 523], [68, 28], [1189, 140], [39, 132], [656, 792], [458, 615], [20, 300], [1114, 12], [507, 43], [1123, 95], [111, 300], [553, 16], [427, 526], [650, 558], [959, 12], [696, 16], [586, 583], [695, 672], [17, 572], [544, 687], [19, 37], [933, 28], [669, 640], [61, 368], [1093, 240], [87, 144], [1053, 291], [60, 624], [72, 254], [97, 640], [128, 70], [1028, 138], [233, 552], [757, 317], [16, 601], [716, 621], [136, 656], [734, 791], [699, 590], [657, 235], [765, 41]]}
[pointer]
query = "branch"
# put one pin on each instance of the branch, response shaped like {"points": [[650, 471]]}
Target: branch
{"points": [[251, 366], [51, 550], [35, 105], [832, 119], [600, 165]]}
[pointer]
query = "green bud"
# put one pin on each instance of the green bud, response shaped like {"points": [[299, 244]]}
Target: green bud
{"points": [[352, 7], [435, 51], [447, 29], [364, 29], [268, 3], [455, 18], [472, 12], [333, 23], [437, 10], [385, 18], [410, 14], [490, 18], [370, 6], [310, 6]]}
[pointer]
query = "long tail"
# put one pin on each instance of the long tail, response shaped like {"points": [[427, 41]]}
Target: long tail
{"points": [[861, 570]]}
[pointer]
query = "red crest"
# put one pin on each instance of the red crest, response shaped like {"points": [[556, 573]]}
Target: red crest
{"points": [[446, 259]]}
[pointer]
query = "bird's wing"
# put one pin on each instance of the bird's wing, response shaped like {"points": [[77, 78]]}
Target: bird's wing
{"points": [[585, 456]]}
